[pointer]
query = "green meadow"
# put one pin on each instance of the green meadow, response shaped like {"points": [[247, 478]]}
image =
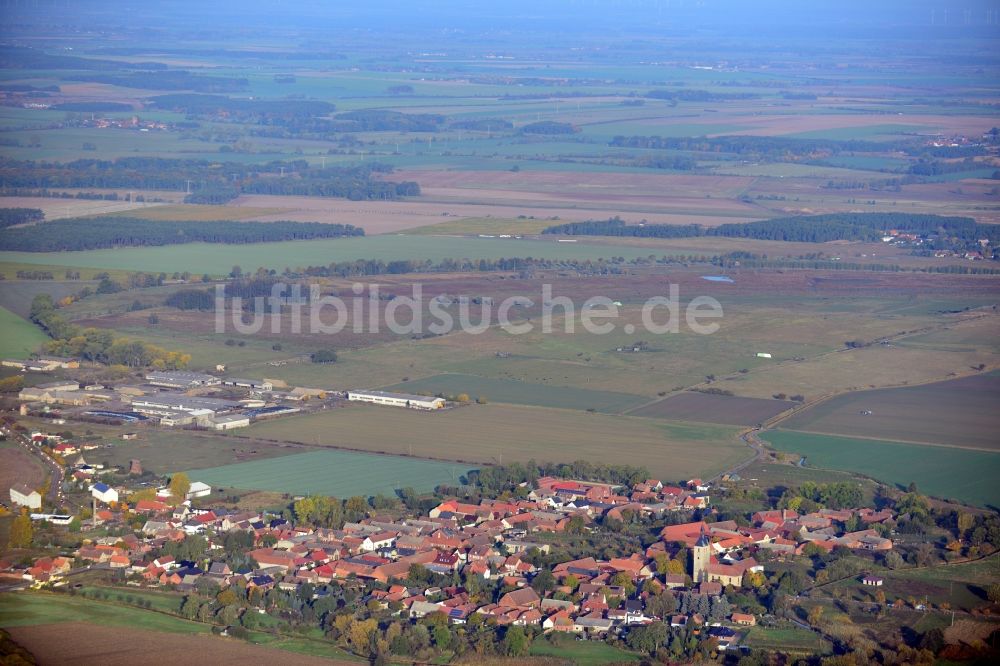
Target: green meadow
{"points": [[951, 473], [218, 259], [20, 337], [332, 472]]}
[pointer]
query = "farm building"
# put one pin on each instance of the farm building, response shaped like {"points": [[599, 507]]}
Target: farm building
{"points": [[181, 379], [763, 354], [198, 489], [396, 399], [166, 403], [46, 364], [63, 393], [873, 581], [22, 495], [172, 418], [230, 421], [54, 518], [252, 384], [270, 412]]}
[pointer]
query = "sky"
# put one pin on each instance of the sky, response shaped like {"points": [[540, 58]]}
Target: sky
{"points": [[760, 16]]}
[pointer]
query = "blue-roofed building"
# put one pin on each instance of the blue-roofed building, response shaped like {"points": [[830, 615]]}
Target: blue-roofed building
{"points": [[104, 493]]}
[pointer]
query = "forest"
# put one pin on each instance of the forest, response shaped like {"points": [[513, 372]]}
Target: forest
{"points": [[240, 108], [103, 232], [11, 216], [159, 79], [215, 182], [781, 148]]}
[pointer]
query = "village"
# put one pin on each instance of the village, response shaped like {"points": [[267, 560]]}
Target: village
{"points": [[492, 563]]}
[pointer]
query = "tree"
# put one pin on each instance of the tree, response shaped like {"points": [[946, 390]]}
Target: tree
{"points": [[815, 615], [250, 619], [515, 642], [649, 638], [21, 531], [442, 637], [189, 607], [993, 592], [180, 484], [675, 566], [356, 508], [661, 605], [893, 560], [965, 521], [575, 525], [229, 614], [226, 597], [324, 356], [543, 582]]}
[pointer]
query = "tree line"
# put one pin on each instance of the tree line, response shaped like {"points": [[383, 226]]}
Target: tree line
{"points": [[776, 147], [103, 232], [159, 79], [805, 228], [12, 216], [246, 109], [98, 345], [214, 182]]}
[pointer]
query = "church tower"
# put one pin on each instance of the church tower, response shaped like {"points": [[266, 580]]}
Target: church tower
{"points": [[701, 556]]}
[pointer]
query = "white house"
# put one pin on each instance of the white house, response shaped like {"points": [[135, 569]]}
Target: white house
{"points": [[104, 493], [22, 495]]}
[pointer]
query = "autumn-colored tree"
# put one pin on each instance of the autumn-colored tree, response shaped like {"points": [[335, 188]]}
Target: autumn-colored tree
{"points": [[359, 634], [965, 522], [11, 384], [180, 484], [21, 530], [675, 566], [815, 615], [227, 597]]}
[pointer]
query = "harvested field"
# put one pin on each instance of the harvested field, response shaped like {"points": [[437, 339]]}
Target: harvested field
{"points": [[708, 408], [19, 466], [333, 472], [16, 296], [960, 412], [523, 393], [85, 643], [55, 209], [950, 473], [434, 206], [857, 369], [201, 213], [490, 433], [163, 451]]}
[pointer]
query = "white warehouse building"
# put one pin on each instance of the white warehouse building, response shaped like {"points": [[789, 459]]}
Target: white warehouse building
{"points": [[396, 399]]}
